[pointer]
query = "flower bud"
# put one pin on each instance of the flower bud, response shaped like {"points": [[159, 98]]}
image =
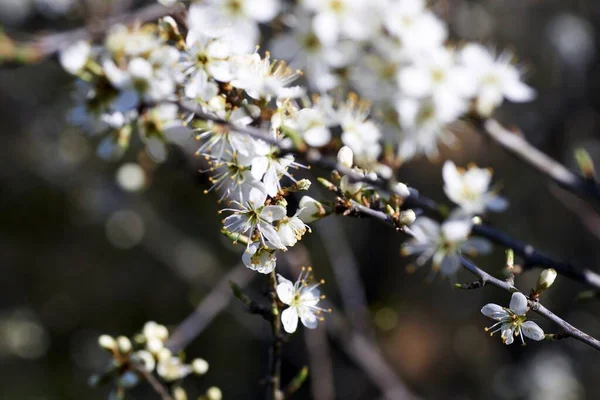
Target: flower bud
{"points": [[401, 190], [312, 210], [107, 342], [345, 157], [546, 279], [303, 184], [350, 187], [407, 217], [214, 393], [124, 344], [199, 366], [179, 393]]}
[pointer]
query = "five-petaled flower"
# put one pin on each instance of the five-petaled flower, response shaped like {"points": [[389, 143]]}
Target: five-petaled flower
{"points": [[512, 320], [302, 298]]}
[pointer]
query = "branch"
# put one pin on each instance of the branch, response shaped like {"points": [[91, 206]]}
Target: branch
{"points": [[209, 308], [49, 44], [531, 256], [156, 385], [486, 278], [516, 144]]}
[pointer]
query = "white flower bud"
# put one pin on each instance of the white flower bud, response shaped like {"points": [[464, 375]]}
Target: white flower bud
{"points": [[345, 157], [107, 342], [303, 184], [154, 345], [214, 393], [199, 366], [401, 190], [146, 359], [546, 279], [163, 354], [312, 210], [407, 217], [179, 393], [124, 344], [350, 187]]}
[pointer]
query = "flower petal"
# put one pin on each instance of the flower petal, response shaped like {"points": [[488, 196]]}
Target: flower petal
{"points": [[309, 319], [289, 319], [494, 311], [285, 290], [518, 303], [532, 330]]}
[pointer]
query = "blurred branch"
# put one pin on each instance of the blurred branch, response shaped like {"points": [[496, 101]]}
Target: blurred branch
{"points": [[346, 271], [216, 301], [515, 143], [156, 385], [49, 44], [321, 375], [363, 350], [588, 216], [367, 355]]}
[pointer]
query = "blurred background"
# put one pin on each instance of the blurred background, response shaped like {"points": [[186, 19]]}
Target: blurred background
{"points": [[80, 255]]}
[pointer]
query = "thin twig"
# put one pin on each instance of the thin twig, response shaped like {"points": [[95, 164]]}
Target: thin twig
{"points": [[216, 301], [158, 387], [516, 144], [347, 274], [321, 375]]}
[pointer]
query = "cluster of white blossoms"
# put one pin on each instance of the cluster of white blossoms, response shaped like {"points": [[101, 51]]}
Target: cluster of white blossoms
{"points": [[146, 354], [165, 83], [396, 53], [444, 243]]}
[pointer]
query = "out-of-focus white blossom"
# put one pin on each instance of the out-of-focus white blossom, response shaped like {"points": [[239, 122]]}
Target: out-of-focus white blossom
{"points": [[443, 244], [512, 321], [302, 297], [74, 57], [496, 79], [263, 79], [470, 189]]}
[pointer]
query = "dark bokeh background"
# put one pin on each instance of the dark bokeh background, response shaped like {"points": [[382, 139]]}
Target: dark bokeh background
{"points": [[80, 257]]}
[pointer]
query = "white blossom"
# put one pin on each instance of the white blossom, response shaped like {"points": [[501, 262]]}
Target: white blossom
{"points": [[259, 258], [470, 189], [443, 244], [74, 57], [512, 321], [302, 297], [291, 229], [254, 217], [496, 79], [172, 369], [263, 79]]}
